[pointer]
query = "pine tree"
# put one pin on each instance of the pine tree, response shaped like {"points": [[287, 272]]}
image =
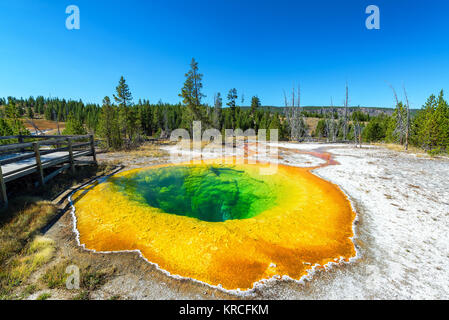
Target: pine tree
{"points": [[441, 118], [275, 123], [320, 130], [376, 129], [30, 113], [431, 125], [127, 114], [108, 126], [218, 104], [232, 104], [12, 123], [48, 113], [255, 104], [192, 95], [74, 126], [146, 117], [239, 119], [123, 95]]}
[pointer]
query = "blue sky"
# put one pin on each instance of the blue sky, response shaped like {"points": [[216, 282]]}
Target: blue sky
{"points": [[259, 47]]}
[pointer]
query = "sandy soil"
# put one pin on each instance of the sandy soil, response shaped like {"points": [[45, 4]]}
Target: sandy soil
{"points": [[47, 126], [402, 238]]}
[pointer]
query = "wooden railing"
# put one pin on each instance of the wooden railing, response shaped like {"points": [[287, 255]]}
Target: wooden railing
{"points": [[69, 148]]}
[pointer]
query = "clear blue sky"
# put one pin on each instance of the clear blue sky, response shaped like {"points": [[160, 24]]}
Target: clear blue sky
{"points": [[259, 47]]}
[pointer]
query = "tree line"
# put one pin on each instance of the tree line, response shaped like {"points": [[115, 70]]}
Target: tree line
{"points": [[428, 129], [120, 122]]}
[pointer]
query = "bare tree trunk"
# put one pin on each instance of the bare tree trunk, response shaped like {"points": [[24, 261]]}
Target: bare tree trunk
{"points": [[345, 123], [334, 125], [357, 134], [293, 115], [327, 127], [38, 131], [360, 137], [402, 125], [407, 130], [55, 116], [299, 118]]}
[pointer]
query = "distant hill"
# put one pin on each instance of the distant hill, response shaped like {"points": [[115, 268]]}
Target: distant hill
{"points": [[372, 111]]}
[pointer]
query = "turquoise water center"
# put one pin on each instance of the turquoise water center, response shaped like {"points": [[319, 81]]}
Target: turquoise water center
{"points": [[210, 193]]}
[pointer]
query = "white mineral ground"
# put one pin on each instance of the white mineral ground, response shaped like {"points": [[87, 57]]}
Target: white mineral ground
{"points": [[401, 232], [402, 226]]}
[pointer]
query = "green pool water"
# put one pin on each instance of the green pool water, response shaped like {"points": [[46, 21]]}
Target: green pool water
{"points": [[208, 193]]}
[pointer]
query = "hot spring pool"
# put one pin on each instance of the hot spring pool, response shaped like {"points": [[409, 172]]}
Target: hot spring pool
{"points": [[226, 225], [208, 193]]}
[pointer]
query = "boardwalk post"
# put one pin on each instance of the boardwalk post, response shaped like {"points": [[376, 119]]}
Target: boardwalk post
{"points": [[39, 163], [72, 162], [92, 147], [3, 189], [20, 139]]}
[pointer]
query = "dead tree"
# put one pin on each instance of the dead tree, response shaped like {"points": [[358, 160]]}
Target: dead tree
{"points": [[401, 130], [345, 119], [165, 134], [357, 129], [331, 127], [407, 129], [294, 116], [217, 111], [38, 131], [326, 128], [57, 120]]}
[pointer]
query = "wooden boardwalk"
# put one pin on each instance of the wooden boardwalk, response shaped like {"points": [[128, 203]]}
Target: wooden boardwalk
{"points": [[57, 153]]}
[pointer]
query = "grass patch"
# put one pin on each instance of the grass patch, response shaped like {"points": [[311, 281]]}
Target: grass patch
{"points": [[22, 249], [56, 276], [23, 220], [146, 150], [37, 253], [83, 295], [401, 148], [29, 290], [91, 278], [44, 296]]}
